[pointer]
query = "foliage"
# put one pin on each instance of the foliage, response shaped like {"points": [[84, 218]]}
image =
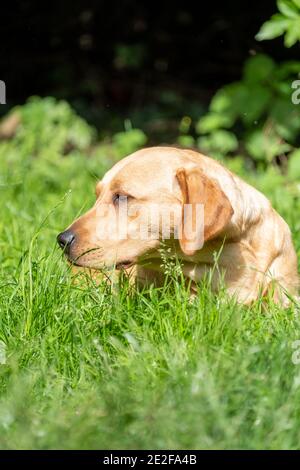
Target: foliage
{"points": [[255, 116], [51, 127], [286, 22], [258, 116], [128, 141]]}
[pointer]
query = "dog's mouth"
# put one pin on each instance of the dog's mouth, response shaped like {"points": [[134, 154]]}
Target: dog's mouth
{"points": [[125, 264], [86, 261]]}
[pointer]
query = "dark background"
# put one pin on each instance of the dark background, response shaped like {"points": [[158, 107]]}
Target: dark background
{"points": [[142, 60]]}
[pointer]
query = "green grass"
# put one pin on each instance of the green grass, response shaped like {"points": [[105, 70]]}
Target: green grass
{"points": [[88, 366]]}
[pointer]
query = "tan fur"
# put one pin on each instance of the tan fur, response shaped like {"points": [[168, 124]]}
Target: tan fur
{"points": [[256, 250], [196, 188]]}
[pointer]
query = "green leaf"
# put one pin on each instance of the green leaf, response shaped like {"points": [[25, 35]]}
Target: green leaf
{"points": [[293, 33], [264, 146], [258, 68], [287, 8], [272, 28], [128, 142], [238, 93], [255, 145], [185, 124], [221, 101], [228, 101], [242, 100], [213, 121], [297, 3], [219, 141], [287, 69], [258, 98], [270, 180], [286, 118], [294, 165], [186, 141]]}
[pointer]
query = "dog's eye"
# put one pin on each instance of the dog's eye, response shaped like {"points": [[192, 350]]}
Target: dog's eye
{"points": [[117, 198]]}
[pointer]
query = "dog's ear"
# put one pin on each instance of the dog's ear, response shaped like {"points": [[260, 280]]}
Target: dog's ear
{"points": [[198, 189], [98, 189]]}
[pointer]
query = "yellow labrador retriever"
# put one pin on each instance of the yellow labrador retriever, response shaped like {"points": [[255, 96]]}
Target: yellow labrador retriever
{"points": [[197, 208]]}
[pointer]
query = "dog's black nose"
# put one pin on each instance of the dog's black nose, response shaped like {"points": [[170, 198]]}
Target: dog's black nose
{"points": [[65, 240]]}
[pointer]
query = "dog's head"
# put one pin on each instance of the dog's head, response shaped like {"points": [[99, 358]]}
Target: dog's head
{"points": [[152, 195]]}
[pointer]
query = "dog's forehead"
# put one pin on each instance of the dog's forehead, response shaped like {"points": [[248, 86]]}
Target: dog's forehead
{"points": [[147, 169]]}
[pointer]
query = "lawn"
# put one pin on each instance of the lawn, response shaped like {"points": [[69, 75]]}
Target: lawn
{"points": [[94, 366]]}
